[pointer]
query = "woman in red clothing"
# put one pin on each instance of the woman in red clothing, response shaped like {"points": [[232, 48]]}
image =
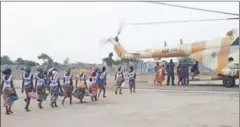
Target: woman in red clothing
{"points": [[179, 69], [161, 76]]}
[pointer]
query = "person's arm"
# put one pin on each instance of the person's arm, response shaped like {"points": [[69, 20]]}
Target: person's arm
{"points": [[2, 86], [71, 80], [85, 82], [76, 82], [59, 85], [31, 83], [13, 86], [123, 76], [22, 84], [36, 79], [115, 76], [63, 80]]}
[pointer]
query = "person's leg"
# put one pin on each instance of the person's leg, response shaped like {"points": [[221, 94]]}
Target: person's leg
{"points": [[155, 78], [63, 100], [185, 81], [173, 77], [10, 108], [41, 94], [116, 89], [120, 91], [182, 81], [70, 98], [27, 105], [130, 86], [104, 92], [168, 78], [178, 80], [52, 97], [7, 110], [27, 100], [56, 97], [134, 88], [100, 90], [120, 87], [104, 89]]}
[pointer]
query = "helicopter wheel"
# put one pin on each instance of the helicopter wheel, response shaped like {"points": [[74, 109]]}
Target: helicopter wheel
{"points": [[228, 81]]}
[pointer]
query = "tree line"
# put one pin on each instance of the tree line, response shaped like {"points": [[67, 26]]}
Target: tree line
{"points": [[110, 62], [47, 60]]}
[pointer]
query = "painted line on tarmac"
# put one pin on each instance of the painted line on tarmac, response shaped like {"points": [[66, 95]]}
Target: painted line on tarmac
{"points": [[190, 91]]}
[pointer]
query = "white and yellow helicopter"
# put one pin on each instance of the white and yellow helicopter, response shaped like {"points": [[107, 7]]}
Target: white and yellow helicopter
{"points": [[220, 55]]}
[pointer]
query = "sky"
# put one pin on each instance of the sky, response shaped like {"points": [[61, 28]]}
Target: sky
{"points": [[75, 29]]}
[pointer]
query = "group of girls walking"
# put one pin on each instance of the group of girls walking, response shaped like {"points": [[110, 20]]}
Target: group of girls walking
{"points": [[48, 83], [119, 77]]}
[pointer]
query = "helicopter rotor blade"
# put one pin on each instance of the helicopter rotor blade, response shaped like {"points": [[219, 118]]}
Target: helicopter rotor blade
{"points": [[121, 25]]}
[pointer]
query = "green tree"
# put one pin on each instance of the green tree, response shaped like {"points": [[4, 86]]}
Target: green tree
{"points": [[30, 63], [6, 60], [20, 61], [44, 57]]}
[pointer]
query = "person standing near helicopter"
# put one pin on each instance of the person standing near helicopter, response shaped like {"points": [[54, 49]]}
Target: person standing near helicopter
{"points": [[132, 79], [119, 77]]}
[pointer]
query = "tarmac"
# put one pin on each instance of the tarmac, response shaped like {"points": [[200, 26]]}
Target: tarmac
{"points": [[155, 106]]}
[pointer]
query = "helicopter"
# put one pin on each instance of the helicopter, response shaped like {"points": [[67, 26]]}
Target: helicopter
{"points": [[220, 55]]}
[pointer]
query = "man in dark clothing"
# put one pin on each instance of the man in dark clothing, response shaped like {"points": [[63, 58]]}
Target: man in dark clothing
{"points": [[185, 73], [170, 72], [195, 70]]}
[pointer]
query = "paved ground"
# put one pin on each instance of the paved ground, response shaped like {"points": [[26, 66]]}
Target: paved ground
{"points": [[155, 108], [195, 87]]}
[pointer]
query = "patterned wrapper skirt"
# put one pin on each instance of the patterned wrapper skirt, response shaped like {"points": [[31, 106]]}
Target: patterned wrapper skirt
{"points": [[79, 92], [28, 89], [68, 90], [119, 83], [94, 90], [131, 82], [41, 93], [54, 93], [102, 85], [7, 92]]}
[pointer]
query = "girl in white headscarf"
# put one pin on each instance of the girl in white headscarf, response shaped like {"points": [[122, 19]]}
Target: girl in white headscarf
{"points": [[54, 87]]}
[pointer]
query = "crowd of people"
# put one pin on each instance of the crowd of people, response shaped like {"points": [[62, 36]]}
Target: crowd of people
{"points": [[182, 72], [47, 83]]}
